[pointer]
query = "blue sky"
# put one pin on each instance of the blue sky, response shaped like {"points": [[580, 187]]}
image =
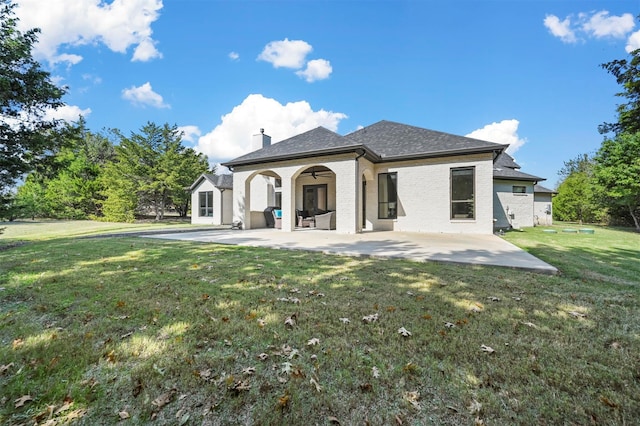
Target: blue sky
{"points": [[519, 72]]}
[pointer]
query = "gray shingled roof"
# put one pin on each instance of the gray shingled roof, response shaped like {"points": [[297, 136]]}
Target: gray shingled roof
{"points": [[314, 142], [382, 141], [224, 181], [506, 168], [392, 141], [542, 189]]}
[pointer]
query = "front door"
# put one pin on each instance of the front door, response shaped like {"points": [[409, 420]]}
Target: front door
{"points": [[314, 198]]}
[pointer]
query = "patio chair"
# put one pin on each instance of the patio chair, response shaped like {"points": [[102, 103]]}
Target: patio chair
{"points": [[304, 221], [326, 221]]}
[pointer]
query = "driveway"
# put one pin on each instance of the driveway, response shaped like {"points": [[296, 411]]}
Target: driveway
{"points": [[486, 250]]}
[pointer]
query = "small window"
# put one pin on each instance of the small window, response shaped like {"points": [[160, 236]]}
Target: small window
{"points": [[278, 183], [279, 200], [519, 189], [206, 203], [463, 193], [387, 196]]}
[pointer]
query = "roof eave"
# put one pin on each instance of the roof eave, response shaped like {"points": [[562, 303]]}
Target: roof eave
{"points": [[358, 149], [448, 153]]}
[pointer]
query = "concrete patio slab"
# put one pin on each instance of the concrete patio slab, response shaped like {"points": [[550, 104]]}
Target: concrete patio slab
{"points": [[487, 250]]}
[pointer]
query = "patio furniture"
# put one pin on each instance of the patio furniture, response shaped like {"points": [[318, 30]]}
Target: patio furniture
{"points": [[326, 221], [305, 221]]}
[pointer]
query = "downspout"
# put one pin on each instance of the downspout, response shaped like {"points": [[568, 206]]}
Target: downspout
{"points": [[222, 206], [359, 189]]}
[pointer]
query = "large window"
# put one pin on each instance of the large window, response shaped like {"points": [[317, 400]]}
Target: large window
{"points": [[387, 196], [206, 203], [462, 193]]}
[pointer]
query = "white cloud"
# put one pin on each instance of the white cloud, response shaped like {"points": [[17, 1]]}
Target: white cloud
{"points": [[286, 53], [190, 133], [146, 51], [232, 137], [144, 96], [633, 42], [317, 69], [560, 29], [504, 132], [601, 24], [67, 113], [68, 23], [590, 25], [234, 56]]}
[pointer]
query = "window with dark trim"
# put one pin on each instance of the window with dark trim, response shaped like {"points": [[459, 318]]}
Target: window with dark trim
{"points": [[387, 195], [519, 189], [206, 203], [463, 193]]}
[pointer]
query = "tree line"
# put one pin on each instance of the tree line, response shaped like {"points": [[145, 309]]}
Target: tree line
{"points": [[113, 177], [52, 168], [605, 186]]}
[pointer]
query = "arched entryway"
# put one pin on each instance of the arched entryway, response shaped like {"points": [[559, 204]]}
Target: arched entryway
{"points": [[315, 196], [262, 196]]}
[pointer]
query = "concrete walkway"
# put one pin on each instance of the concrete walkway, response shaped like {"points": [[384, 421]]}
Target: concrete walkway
{"points": [[488, 250]]}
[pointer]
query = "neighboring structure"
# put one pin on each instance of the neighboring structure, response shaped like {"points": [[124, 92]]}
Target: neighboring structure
{"points": [[543, 205], [514, 195], [212, 199]]}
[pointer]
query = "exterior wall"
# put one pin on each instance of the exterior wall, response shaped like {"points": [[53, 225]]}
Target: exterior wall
{"points": [[222, 205], [509, 209], [543, 209], [344, 168], [424, 196]]}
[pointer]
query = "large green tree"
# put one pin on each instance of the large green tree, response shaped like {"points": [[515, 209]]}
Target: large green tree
{"points": [[156, 168], [26, 94], [627, 74], [577, 199], [618, 172]]}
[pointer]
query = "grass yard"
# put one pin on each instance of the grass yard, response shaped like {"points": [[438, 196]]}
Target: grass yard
{"points": [[128, 330]]}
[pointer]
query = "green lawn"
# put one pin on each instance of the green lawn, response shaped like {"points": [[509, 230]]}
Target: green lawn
{"points": [[126, 330]]}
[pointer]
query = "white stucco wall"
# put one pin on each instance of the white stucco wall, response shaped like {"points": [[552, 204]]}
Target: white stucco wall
{"points": [[424, 198], [512, 210], [423, 193], [543, 209], [222, 205]]}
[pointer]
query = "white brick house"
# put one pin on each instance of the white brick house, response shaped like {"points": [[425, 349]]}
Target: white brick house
{"points": [[387, 176]]}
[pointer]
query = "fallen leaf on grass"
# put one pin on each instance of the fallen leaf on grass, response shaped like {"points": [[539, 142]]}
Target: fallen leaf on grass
{"points": [[5, 368], [313, 342], [344, 320], [403, 331], [17, 343], [286, 367], [487, 349], [205, 374], [494, 298], [449, 324], [530, 324], [576, 314], [283, 401], [123, 415], [261, 323], [474, 407], [241, 385], [22, 400], [370, 318], [375, 372], [164, 399], [315, 384], [606, 401], [333, 420], [249, 371], [263, 356], [291, 320], [412, 398], [391, 308]]}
